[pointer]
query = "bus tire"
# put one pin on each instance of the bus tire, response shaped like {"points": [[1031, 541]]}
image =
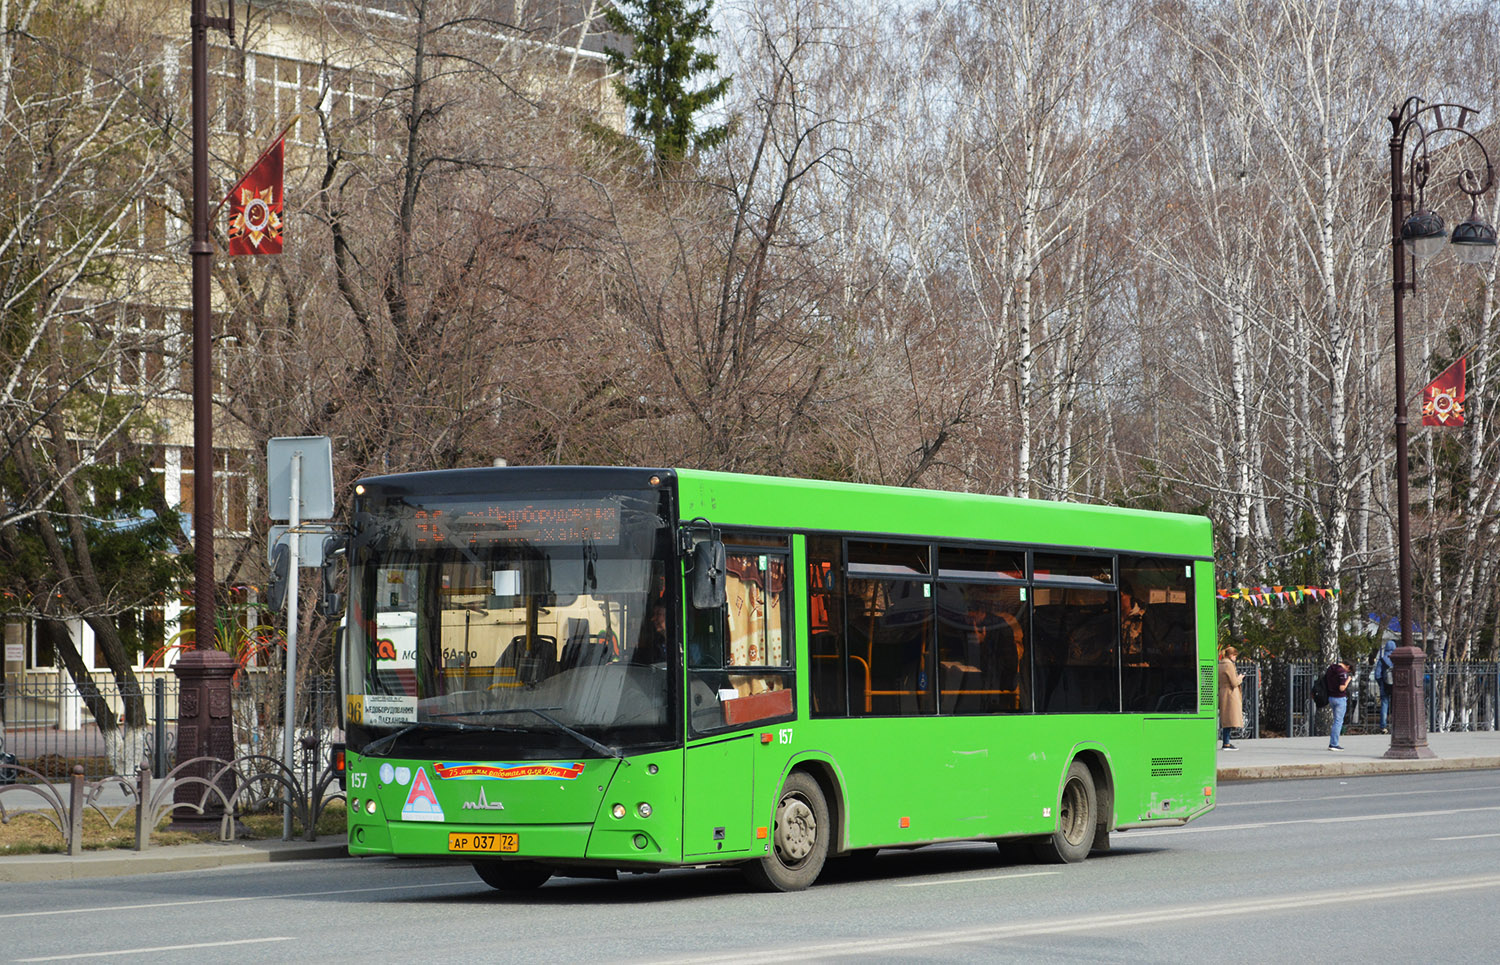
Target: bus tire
{"points": [[1077, 819], [799, 838], [513, 875]]}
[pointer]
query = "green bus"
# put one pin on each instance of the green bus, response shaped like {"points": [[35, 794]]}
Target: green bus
{"points": [[583, 671]]}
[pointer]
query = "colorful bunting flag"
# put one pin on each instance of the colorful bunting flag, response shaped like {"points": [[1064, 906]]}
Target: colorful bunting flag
{"points": [[1269, 595]]}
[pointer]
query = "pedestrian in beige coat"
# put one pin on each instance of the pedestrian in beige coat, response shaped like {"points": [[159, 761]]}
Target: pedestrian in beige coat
{"points": [[1231, 706]]}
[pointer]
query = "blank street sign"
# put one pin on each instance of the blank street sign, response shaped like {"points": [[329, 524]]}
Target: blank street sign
{"points": [[316, 482]]}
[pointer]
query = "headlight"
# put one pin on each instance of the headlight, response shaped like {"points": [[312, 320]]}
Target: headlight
{"points": [[644, 809], [618, 810]]}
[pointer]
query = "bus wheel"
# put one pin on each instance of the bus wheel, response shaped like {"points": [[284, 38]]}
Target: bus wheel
{"points": [[513, 875], [1076, 819], [799, 842]]}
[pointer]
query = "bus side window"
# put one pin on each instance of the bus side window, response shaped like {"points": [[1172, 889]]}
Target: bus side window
{"points": [[1076, 669], [1159, 672], [982, 665], [891, 660], [825, 570], [752, 680]]}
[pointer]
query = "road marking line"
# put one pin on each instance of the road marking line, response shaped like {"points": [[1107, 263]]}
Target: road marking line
{"points": [[1398, 816], [1469, 837], [1220, 805], [158, 948], [964, 881], [216, 901], [927, 940]]}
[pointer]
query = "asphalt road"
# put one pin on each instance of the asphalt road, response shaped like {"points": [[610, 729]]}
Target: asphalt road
{"points": [[1397, 868]]}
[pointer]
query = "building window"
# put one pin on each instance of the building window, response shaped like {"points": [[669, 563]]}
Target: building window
{"points": [[233, 490]]}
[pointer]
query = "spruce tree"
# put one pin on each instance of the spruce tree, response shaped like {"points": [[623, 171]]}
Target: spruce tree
{"points": [[657, 74]]}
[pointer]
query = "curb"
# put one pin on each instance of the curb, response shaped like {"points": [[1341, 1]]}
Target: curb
{"points": [[188, 857], [1346, 768]]}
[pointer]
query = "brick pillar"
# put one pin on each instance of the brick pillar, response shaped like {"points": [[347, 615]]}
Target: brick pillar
{"points": [[204, 729], [1408, 708]]}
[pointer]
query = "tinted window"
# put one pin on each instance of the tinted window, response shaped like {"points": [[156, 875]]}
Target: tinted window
{"points": [[981, 564], [890, 640], [752, 538], [984, 665], [1076, 568], [1074, 638], [887, 559], [1159, 647]]}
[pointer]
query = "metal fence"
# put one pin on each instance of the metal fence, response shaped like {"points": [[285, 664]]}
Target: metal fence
{"points": [[1250, 698], [260, 712], [47, 725], [1457, 696]]}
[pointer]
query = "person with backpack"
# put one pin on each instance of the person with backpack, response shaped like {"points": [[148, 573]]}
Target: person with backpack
{"points": [[1384, 674], [1336, 678]]}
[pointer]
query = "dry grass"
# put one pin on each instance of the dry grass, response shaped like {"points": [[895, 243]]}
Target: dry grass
{"points": [[32, 833], [57, 768]]}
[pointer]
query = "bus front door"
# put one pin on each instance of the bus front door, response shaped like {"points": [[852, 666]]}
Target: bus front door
{"points": [[717, 806]]}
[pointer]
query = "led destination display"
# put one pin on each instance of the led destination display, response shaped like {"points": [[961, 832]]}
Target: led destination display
{"points": [[537, 522]]}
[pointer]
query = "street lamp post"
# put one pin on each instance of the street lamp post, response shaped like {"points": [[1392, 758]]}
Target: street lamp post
{"points": [[1423, 235], [202, 252]]}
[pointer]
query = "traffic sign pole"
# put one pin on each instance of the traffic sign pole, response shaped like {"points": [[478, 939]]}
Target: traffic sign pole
{"points": [[287, 743]]}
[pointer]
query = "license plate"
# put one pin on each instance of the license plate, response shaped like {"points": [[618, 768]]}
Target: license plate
{"points": [[462, 841]]}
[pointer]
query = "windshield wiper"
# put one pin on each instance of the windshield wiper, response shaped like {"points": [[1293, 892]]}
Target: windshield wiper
{"points": [[381, 743], [541, 712]]}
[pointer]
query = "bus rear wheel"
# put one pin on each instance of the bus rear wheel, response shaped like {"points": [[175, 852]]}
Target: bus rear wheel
{"points": [[1077, 817], [799, 840], [513, 875]]}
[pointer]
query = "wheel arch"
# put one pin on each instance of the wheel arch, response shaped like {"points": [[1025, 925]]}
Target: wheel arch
{"points": [[830, 781], [1096, 759]]}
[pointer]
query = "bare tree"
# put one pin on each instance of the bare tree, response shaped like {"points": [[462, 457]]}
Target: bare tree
{"points": [[1289, 203], [716, 270], [1033, 169], [79, 372]]}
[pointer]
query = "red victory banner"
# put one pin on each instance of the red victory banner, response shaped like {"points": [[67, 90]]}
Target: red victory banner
{"points": [[255, 206], [1443, 398]]}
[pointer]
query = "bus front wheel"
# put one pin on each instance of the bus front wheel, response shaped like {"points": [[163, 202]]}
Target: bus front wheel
{"points": [[513, 875], [1077, 816], [799, 840]]}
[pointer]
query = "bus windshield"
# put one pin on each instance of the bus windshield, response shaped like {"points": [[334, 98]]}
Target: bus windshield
{"points": [[516, 627]]}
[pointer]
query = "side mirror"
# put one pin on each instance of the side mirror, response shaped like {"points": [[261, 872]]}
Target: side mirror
{"points": [[706, 582], [281, 561], [332, 603]]}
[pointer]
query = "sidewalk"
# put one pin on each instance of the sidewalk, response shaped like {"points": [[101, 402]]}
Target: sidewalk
{"points": [[181, 857], [1282, 757]]}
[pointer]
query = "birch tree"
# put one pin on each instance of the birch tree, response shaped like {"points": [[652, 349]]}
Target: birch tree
{"points": [[1040, 143], [1296, 78]]}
